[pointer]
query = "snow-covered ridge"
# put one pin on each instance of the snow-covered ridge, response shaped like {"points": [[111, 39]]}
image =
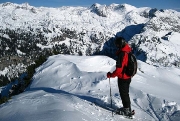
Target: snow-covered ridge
{"points": [[74, 17], [67, 87]]}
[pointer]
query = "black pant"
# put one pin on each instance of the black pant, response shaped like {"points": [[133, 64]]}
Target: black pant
{"points": [[123, 85]]}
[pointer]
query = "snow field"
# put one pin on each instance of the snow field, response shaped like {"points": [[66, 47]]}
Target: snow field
{"points": [[68, 88]]}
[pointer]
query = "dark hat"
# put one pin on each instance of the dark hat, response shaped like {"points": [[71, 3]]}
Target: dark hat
{"points": [[120, 42]]}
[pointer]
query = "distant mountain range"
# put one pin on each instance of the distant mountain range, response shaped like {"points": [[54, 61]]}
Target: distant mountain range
{"points": [[26, 32]]}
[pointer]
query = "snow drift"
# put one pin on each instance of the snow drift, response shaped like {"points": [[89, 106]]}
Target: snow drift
{"points": [[75, 88]]}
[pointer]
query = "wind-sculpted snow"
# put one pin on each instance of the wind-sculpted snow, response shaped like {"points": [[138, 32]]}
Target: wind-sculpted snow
{"points": [[75, 88]]}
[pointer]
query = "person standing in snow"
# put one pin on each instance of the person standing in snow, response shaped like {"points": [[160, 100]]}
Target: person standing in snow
{"points": [[123, 79]]}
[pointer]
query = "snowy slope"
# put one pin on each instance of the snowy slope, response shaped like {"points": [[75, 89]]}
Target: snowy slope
{"points": [[66, 88]]}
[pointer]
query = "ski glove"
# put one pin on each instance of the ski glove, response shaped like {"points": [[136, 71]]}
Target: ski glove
{"points": [[108, 75]]}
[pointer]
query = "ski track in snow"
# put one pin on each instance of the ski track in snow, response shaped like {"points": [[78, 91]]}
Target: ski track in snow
{"points": [[68, 88]]}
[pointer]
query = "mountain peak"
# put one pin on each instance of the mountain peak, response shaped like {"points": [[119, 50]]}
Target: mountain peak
{"points": [[125, 7], [99, 9], [23, 5], [104, 10], [7, 4], [95, 5]]}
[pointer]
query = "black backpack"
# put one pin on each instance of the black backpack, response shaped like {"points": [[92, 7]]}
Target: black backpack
{"points": [[131, 67]]}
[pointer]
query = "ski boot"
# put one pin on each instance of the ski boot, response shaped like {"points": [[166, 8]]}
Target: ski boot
{"points": [[125, 112]]}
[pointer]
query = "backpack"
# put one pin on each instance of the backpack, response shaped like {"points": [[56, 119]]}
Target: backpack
{"points": [[131, 67]]}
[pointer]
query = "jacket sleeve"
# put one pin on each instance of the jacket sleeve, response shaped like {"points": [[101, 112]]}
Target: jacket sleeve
{"points": [[120, 63]]}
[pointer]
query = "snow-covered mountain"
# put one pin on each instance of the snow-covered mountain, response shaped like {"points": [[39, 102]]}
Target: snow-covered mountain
{"points": [[70, 87], [75, 88], [27, 32]]}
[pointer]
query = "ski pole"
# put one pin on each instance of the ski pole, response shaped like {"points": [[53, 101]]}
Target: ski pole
{"points": [[110, 95]]}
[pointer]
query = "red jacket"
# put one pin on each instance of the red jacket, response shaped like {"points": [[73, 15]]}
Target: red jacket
{"points": [[121, 62]]}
